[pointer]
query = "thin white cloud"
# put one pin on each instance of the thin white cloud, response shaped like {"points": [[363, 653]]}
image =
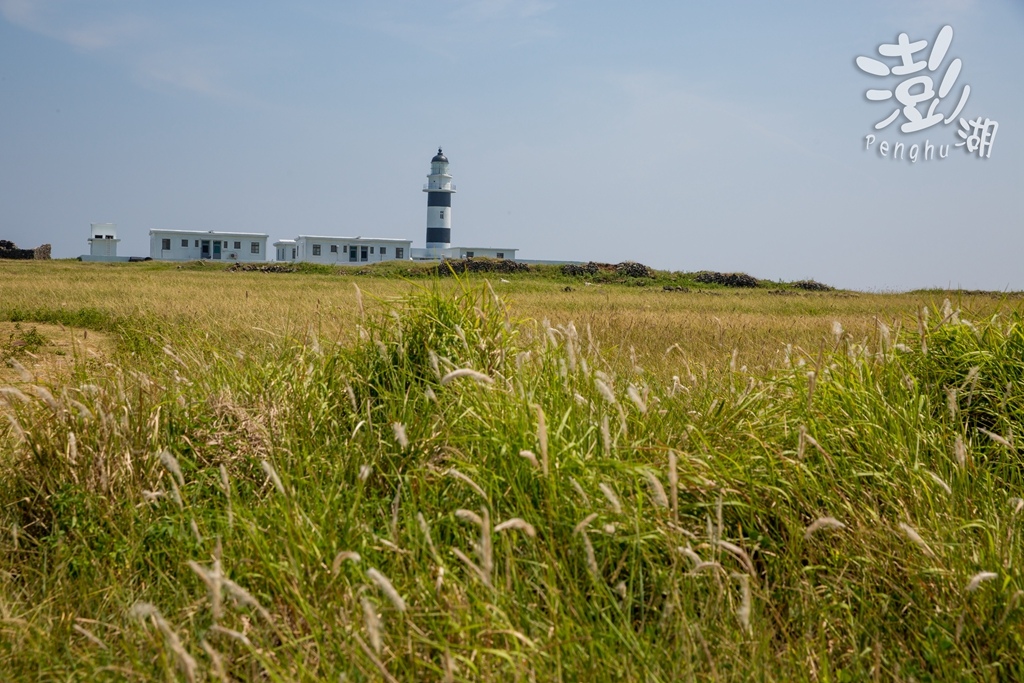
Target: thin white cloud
{"points": [[60, 21]]}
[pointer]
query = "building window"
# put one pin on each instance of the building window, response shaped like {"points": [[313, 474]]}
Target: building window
{"points": [[165, 244], [399, 252], [362, 253], [293, 253], [334, 248], [238, 245], [469, 254], [371, 250], [253, 247], [344, 249], [316, 250], [197, 243], [442, 213], [184, 243], [501, 254], [383, 250]]}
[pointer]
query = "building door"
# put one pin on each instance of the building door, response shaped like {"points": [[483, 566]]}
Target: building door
{"points": [[352, 253], [362, 253], [216, 249], [204, 250]]}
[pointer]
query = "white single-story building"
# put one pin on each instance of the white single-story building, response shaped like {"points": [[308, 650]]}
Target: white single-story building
{"points": [[193, 245], [342, 250], [433, 254]]}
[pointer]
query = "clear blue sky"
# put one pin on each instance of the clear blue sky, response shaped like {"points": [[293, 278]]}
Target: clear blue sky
{"points": [[720, 135]]}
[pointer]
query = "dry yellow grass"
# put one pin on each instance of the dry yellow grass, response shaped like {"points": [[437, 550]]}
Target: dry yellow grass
{"points": [[249, 309]]}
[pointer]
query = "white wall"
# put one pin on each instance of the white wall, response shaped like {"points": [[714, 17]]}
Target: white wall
{"points": [[188, 246], [306, 246]]}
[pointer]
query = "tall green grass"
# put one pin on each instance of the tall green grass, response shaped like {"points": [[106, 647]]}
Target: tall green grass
{"points": [[460, 495]]}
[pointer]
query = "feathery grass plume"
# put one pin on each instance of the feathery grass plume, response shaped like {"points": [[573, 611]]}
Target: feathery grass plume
{"points": [[692, 556], [542, 439], [922, 330], [399, 430], [613, 500], [22, 371], [584, 523], [145, 610], [519, 524], [812, 380], [473, 566], [980, 578], [915, 538], [995, 437], [430, 395], [704, 566], [359, 301], [609, 529], [349, 555], [195, 530], [90, 636], [8, 393], [231, 633], [1018, 504], [588, 548], [176, 494], [72, 448], [743, 611], [960, 451], [951, 402], [364, 472], [657, 490], [637, 400], [452, 472], [425, 529], [740, 554], [244, 597], [531, 457], [216, 662], [171, 463], [822, 523], [943, 485], [606, 436], [272, 475], [212, 578], [16, 430], [466, 372], [469, 516], [385, 586], [837, 330], [579, 491], [372, 623], [605, 390], [351, 393]]}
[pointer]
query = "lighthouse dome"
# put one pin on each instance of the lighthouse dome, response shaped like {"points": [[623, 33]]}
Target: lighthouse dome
{"points": [[439, 157]]}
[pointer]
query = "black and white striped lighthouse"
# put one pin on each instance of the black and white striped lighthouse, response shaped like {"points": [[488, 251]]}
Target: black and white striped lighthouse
{"points": [[439, 191]]}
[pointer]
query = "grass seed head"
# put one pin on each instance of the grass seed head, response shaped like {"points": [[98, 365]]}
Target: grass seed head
{"points": [[980, 578], [613, 500], [822, 523], [385, 586]]}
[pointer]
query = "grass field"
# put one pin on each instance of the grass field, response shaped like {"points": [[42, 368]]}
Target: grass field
{"points": [[323, 475]]}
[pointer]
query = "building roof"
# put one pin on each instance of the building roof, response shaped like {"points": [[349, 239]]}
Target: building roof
{"points": [[439, 157], [353, 239], [211, 233]]}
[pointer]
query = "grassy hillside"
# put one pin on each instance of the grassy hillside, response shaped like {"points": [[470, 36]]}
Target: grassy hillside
{"points": [[282, 476]]}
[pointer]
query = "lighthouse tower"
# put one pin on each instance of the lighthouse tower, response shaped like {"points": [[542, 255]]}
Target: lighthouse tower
{"points": [[439, 191]]}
